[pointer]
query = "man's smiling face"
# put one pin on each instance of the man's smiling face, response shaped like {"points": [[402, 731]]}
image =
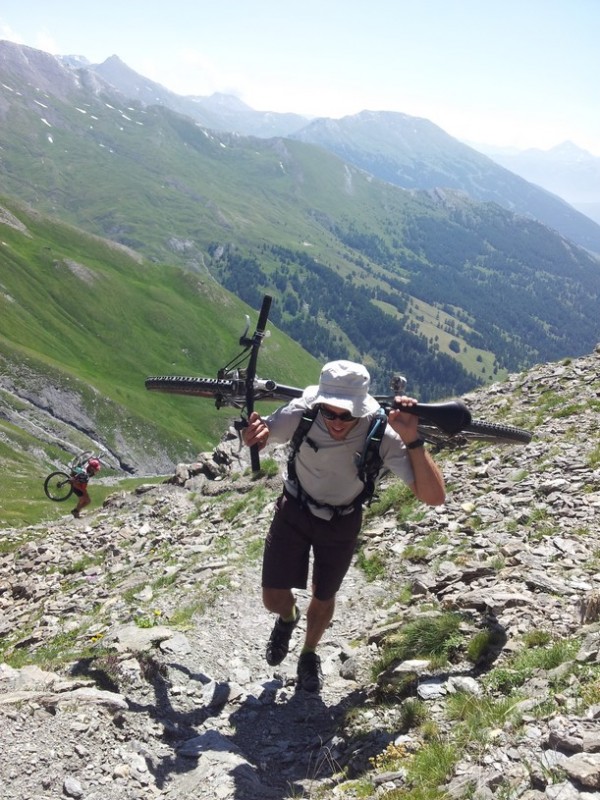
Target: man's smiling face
{"points": [[338, 421]]}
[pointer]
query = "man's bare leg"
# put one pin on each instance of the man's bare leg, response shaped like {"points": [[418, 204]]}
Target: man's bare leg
{"points": [[318, 616], [279, 601]]}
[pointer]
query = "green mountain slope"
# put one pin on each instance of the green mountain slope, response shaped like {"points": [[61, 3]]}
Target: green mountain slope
{"points": [[414, 153], [449, 291], [407, 151], [83, 322]]}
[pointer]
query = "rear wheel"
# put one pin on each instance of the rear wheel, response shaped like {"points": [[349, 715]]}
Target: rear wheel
{"points": [[57, 486], [81, 459], [476, 431]]}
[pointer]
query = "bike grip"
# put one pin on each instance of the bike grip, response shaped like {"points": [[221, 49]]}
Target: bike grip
{"points": [[254, 458], [264, 314]]}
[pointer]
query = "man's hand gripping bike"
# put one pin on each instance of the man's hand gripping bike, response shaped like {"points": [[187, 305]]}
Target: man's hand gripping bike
{"points": [[442, 425]]}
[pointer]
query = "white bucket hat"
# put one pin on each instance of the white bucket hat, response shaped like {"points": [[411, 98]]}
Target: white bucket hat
{"points": [[343, 384]]}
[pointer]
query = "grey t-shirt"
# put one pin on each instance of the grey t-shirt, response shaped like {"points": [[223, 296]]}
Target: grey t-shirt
{"points": [[327, 471]]}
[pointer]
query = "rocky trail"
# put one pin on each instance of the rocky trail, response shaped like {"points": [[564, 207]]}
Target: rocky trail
{"points": [[132, 640]]}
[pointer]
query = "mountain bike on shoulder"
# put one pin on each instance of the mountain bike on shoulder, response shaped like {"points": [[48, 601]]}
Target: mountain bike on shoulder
{"points": [[443, 425], [58, 486]]}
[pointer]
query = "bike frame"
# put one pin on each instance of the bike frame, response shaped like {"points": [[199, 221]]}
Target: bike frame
{"points": [[247, 377], [236, 386]]}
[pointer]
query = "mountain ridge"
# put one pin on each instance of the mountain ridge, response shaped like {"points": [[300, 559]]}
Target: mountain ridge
{"points": [[301, 189], [416, 154], [507, 191], [567, 170]]}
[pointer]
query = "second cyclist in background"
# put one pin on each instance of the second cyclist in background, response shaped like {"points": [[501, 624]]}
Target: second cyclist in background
{"points": [[80, 477]]}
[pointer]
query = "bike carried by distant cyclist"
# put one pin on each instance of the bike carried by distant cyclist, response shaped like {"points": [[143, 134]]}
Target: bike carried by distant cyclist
{"points": [[443, 425], [62, 484]]}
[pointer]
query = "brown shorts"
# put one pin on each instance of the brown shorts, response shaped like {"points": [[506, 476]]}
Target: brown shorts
{"points": [[293, 532]]}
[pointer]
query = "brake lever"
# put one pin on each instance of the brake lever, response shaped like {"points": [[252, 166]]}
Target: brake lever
{"points": [[244, 340], [239, 425]]}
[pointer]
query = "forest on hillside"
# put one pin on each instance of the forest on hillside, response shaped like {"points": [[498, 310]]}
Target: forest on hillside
{"points": [[322, 311], [523, 295]]}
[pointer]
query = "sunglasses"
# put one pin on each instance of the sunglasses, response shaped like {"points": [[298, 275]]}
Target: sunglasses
{"points": [[345, 416]]}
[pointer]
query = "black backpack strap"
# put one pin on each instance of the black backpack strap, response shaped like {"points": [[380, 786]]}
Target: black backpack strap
{"points": [[370, 461], [300, 434]]}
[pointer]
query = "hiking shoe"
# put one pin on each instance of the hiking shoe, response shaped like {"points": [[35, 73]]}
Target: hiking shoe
{"points": [[310, 676], [75, 513], [279, 641]]}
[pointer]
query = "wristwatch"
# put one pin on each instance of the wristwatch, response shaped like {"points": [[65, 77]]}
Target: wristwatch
{"points": [[415, 444]]}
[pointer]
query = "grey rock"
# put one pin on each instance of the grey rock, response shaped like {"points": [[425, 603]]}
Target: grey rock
{"points": [[72, 787], [584, 768]]}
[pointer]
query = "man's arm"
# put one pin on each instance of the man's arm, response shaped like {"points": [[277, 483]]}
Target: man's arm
{"points": [[428, 485]]}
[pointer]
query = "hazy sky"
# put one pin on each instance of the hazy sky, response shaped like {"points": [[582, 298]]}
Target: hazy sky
{"points": [[520, 73]]}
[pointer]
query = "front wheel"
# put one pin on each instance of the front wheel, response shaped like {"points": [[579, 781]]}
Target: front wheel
{"points": [[198, 387], [224, 391], [57, 486], [476, 431]]}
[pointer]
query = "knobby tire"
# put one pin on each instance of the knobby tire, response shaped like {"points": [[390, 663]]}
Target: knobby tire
{"points": [[81, 459], [232, 392], [198, 387], [495, 432], [57, 487], [476, 431]]}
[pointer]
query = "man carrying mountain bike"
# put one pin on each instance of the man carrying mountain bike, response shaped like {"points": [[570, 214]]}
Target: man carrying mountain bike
{"points": [[80, 477], [320, 508]]}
